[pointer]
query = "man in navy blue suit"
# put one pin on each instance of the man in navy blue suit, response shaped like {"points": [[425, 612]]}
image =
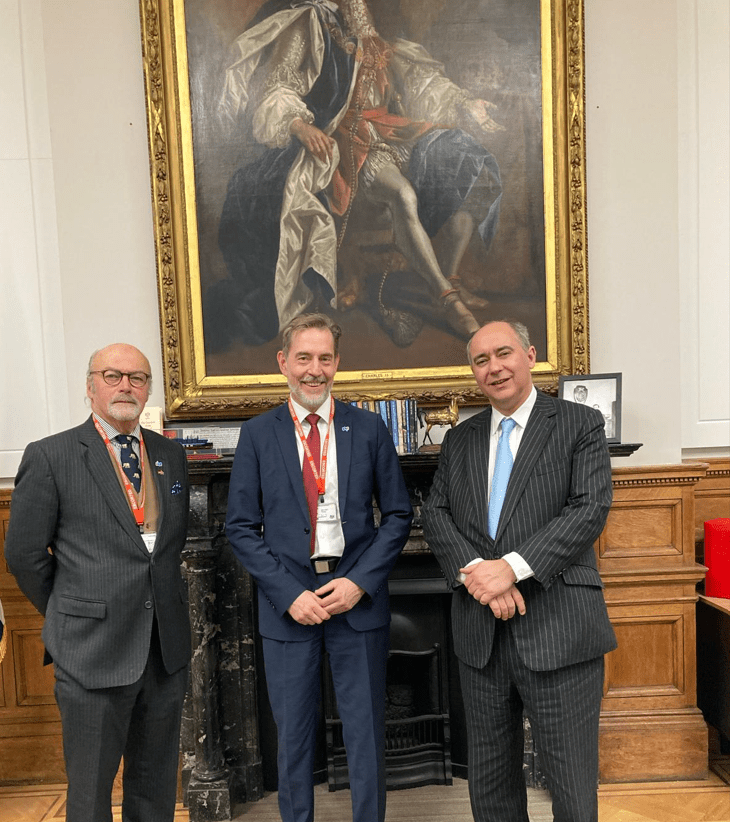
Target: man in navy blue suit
{"points": [[301, 521]]}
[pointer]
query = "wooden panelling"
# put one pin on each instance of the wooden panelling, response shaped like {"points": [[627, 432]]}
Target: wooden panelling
{"points": [[30, 727], [33, 681], [651, 728], [712, 494], [651, 529]]}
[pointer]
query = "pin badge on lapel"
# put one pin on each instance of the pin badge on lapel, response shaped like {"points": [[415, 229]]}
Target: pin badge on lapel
{"points": [[176, 488], [345, 428], [158, 464]]}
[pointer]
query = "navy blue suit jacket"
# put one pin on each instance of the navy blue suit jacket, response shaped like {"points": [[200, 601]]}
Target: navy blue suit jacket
{"points": [[268, 519]]}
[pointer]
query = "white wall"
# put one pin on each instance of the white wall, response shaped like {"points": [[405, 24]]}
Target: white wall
{"points": [[76, 232]]}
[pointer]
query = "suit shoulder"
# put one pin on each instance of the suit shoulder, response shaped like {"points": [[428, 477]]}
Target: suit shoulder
{"points": [[465, 427], [358, 414], [261, 422], [155, 440], [61, 439]]}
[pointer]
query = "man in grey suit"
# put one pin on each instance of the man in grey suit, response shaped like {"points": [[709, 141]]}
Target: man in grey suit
{"points": [[521, 493], [96, 530]]}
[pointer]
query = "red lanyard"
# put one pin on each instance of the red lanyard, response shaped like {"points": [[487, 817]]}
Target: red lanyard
{"points": [[323, 459], [136, 506]]}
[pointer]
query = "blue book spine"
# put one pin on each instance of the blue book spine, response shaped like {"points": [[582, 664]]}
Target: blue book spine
{"points": [[382, 406], [408, 443], [394, 424]]}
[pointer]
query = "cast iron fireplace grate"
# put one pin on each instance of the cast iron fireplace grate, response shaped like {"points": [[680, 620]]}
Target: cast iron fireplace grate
{"points": [[417, 732]]}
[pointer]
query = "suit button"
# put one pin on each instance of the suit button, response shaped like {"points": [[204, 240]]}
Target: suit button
{"points": [[148, 605], [306, 530]]}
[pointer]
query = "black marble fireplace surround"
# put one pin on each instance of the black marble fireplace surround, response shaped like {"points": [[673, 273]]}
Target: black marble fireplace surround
{"points": [[228, 736]]}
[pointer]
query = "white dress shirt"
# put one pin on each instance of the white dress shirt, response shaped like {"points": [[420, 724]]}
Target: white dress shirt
{"points": [[329, 537], [521, 415]]}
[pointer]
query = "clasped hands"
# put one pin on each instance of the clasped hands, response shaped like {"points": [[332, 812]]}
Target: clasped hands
{"points": [[334, 597], [492, 582]]}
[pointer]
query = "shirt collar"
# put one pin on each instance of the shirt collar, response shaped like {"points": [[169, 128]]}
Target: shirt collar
{"points": [[520, 416], [302, 412], [112, 432]]}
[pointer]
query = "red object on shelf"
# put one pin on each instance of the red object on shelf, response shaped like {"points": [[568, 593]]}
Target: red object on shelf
{"points": [[717, 557]]}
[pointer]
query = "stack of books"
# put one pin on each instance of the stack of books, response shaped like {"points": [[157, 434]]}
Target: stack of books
{"points": [[400, 419]]}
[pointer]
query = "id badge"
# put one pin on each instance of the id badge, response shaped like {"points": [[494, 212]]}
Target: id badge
{"points": [[326, 512], [149, 540]]}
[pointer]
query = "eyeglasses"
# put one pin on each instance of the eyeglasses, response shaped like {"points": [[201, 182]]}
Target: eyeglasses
{"points": [[136, 378]]}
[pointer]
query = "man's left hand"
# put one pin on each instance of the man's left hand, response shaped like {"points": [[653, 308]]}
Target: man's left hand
{"points": [[339, 595]]}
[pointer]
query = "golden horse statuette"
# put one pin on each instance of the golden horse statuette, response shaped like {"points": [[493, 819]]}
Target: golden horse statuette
{"points": [[439, 416]]}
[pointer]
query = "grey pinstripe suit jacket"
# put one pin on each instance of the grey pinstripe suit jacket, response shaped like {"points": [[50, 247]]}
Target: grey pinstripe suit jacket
{"points": [[557, 501], [101, 587]]}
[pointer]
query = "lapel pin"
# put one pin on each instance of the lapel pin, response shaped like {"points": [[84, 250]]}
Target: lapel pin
{"points": [[158, 464], [345, 427], [176, 488], [161, 473]]}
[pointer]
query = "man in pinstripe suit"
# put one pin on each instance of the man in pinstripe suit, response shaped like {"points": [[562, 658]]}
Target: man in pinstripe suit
{"points": [[97, 551], [529, 620]]}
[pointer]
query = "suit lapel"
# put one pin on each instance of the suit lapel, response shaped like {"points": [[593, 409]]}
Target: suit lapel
{"points": [[478, 466], [343, 431], [98, 461], [286, 437], [539, 427], [160, 474]]}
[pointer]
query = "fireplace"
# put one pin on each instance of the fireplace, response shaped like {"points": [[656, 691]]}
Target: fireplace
{"points": [[417, 727]]}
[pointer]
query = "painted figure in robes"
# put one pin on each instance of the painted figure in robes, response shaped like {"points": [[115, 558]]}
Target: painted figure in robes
{"points": [[348, 121]]}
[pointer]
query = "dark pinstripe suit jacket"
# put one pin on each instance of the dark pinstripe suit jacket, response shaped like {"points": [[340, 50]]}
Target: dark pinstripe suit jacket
{"points": [[101, 587], [557, 501]]}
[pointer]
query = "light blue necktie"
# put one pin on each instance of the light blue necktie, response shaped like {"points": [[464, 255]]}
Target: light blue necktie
{"points": [[502, 470]]}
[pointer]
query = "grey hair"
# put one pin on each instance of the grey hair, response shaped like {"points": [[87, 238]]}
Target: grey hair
{"points": [[520, 329], [304, 321]]}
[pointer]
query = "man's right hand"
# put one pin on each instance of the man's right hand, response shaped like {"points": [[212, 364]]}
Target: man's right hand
{"points": [[313, 139], [307, 609]]}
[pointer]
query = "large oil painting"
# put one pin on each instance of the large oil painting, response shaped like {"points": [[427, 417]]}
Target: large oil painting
{"points": [[413, 168]]}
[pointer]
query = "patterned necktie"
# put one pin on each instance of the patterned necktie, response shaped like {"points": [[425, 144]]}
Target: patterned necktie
{"points": [[502, 469], [310, 483], [130, 461]]}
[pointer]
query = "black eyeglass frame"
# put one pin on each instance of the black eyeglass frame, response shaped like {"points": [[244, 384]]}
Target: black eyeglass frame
{"points": [[134, 377]]}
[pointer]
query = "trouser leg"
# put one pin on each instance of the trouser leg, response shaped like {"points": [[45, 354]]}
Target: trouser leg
{"points": [[564, 709], [495, 739], [293, 680], [94, 725], [152, 752], [358, 661]]}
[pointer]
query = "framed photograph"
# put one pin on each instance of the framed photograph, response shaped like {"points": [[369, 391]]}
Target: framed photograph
{"points": [[601, 391], [414, 168]]}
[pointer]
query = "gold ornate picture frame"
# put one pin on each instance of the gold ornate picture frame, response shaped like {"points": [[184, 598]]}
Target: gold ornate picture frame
{"points": [[524, 56]]}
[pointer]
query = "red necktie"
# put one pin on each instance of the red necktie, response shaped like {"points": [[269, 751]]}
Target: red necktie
{"points": [[310, 483]]}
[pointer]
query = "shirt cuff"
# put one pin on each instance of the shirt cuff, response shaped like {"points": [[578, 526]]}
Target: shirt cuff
{"points": [[519, 566], [462, 577]]}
